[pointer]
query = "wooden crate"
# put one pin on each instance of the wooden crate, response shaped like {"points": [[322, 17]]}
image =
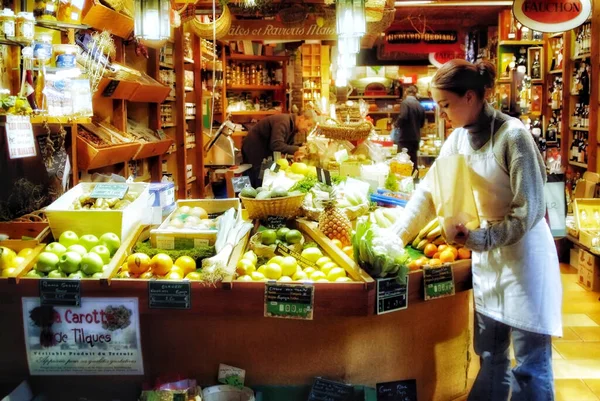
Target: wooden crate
{"points": [[17, 230], [90, 157], [29, 260], [106, 19], [147, 93], [124, 89], [150, 149]]}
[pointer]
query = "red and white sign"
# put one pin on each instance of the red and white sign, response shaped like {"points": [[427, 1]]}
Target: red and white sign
{"points": [[552, 15], [19, 136], [438, 59]]}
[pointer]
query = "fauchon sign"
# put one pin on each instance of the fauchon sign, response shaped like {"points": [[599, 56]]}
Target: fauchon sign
{"points": [[552, 15]]}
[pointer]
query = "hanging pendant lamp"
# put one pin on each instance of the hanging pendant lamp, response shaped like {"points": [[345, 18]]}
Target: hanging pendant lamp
{"points": [[152, 21]]}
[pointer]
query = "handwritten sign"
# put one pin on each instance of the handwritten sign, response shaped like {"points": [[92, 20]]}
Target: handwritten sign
{"points": [[401, 390], [110, 88], [285, 251], [391, 295], [438, 281], [20, 138], [292, 301], [329, 390], [58, 292], [109, 190], [240, 183], [274, 222], [169, 294]]}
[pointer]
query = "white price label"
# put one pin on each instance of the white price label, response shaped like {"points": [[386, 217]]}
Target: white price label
{"points": [[163, 242], [19, 136], [198, 242]]}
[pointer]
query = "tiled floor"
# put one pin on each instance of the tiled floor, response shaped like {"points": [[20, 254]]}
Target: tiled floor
{"points": [[576, 357]]}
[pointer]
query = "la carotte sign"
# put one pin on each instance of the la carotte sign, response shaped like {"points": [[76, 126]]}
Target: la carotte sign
{"points": [[552, 15]]}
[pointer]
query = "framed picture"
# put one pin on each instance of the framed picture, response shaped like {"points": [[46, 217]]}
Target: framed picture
{"points": [[535, 63], [504, 96]]}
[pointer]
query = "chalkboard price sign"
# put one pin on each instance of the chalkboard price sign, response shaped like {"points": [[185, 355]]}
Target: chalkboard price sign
{"points": [[329, 390], [60, 292], [438, 281], [401, 390], [169, 294], [110, 88], [391, 295], [274, 222]]}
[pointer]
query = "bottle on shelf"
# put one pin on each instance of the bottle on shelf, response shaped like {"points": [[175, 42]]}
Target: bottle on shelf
{"points": [[559, 54], [551, 130], [512, 32], [554, 52], [522, 60], [575, 116], [536, 68], [525, 33]]}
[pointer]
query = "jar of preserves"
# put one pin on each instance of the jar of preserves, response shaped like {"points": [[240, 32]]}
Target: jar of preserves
{"points": [[7, 23], [24, 26], [42, 48], [46, 9]]}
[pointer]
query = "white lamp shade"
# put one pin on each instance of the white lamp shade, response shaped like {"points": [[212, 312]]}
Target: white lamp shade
{"points": [[152, 19]]}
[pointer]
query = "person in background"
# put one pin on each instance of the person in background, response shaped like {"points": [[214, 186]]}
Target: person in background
{"points": [[516, 278], [406, 131], [275, 134]]}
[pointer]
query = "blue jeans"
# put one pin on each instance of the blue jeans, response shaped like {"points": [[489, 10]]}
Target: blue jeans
{"points": [[530, 380]]}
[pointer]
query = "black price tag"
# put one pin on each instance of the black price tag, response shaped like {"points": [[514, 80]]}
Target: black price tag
{"points": [[401, 390], [285, 251], [109, 190], [58, 292], [110, 88], [274, 222], [169, 294], [274, 167], [240, 183], [329, 390], [438, 281], [291, 301], [391, 295], [324, 176]]}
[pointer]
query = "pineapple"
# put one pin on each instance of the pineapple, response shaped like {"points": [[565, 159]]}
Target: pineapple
{"points": [[334, 223]]}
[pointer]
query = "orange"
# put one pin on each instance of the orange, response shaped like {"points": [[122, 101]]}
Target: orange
{"points": [[148, 275], [178, 270], [454, 251], [337, 243], [464, 253], [434, 263], [430, 250], [161, 263], [423, 260], [186, 263], [442, 247], [138, 263], [436, 255], [447, 256]]}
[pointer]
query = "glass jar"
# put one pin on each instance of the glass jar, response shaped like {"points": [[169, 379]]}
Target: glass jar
{"points": [[42, 48], [45, 9], [65, 55], [70, 11], [24, 26], [7, 23]]}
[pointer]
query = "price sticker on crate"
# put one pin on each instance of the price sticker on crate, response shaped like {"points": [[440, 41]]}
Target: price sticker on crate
{"points": [[438, 281], [291, 301]]}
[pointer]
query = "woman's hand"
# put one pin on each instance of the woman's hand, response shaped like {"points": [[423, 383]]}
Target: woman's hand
{"points": [[463, 234], [300, 153]]}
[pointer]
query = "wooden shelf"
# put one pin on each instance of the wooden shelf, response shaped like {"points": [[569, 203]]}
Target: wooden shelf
{"points": [[255, 113], [60, 120], [579, 129], [188, 60], [11, 42], [188, 118], [189, 89], [256, 58], [555, 72], [374, 97], [520, 42], [166, 65], [61, 26], [168, 125], [190, 180], [255, 87], [170, 99], [582, 56], [582, 165]]}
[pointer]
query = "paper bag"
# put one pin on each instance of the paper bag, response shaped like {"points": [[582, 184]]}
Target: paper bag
{"points": [[453, 195]]}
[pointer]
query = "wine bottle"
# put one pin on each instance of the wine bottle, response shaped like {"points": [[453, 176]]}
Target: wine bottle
{"points": [[536, 68]]}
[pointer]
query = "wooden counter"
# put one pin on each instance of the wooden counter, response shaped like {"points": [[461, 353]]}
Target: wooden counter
{"points": [[346, 340]]}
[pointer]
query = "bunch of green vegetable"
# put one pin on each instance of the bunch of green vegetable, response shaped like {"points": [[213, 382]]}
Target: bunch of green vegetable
{"points": [[379, 251], [308, 182]]}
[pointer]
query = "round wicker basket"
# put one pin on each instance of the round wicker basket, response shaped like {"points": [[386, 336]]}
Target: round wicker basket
{"points": [[288, 206], [346, 132], [205, 30], [268, 251]]}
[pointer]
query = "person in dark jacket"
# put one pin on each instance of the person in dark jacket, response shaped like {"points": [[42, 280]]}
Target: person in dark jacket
{"points": [[406, 132], [275, 134]]}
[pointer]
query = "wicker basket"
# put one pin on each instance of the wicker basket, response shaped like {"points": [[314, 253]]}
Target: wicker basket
{"points": [[205, 30], [346, 132], [268, 251], [288, 206]]}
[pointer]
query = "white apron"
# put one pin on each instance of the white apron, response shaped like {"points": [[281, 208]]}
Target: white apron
{"points": [[518, 284]]}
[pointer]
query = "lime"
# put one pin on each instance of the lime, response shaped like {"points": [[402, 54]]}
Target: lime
{"points": [[293, 237], [268, 237], [282, 232]]}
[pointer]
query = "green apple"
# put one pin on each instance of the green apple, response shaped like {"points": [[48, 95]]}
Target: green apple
{"points": [[103, 252], [88, 241], [69, 262], [35, 274], [56, 248], [47, 262], [91, 263], [80, 249], [97, 275], [68, 238], [111, 241], [56, 274], [78, 274]]}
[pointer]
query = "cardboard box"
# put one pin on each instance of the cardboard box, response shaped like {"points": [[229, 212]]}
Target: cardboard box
{"points": [[161, 199], [574, 257], [587, 216], [589, 271], [586, 188]]}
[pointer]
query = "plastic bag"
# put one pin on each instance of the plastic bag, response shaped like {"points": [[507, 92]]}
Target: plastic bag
{"points": [[450, 183]]}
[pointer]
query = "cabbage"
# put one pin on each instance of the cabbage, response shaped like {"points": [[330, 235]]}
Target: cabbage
{"points": [[379, 251]]}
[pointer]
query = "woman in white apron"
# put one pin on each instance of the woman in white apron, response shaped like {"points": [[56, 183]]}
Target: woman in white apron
{"points": [[516, 277]]}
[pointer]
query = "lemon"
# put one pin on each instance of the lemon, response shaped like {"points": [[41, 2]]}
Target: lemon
{"points": [[178, 270], [174, 275], [250, 255], [322, 280], [16, 262], [309, 270], [312, 254], [299, 168], [322, 260], [243, 265], [24, 252], [336, 273], [343, 280], [289, 266], [8, 272], [262, 269], [285, 279], [283, 164], [276, 259], [317, 275], [256, 276], [273, 271], [245, 277], [300, 276], [192, 276], [326, 268]]}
